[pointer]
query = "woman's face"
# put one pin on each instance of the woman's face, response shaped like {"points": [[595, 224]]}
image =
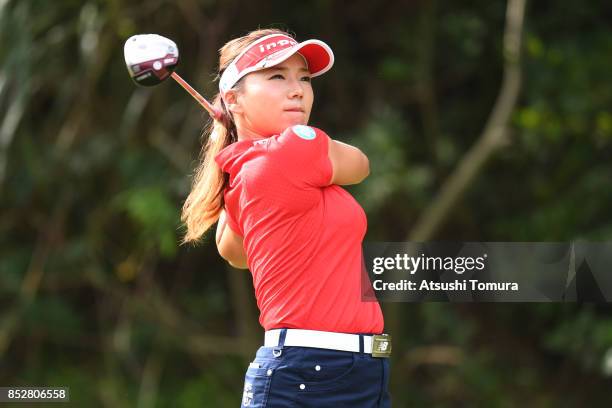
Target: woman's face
{"points": [[273, 99]]}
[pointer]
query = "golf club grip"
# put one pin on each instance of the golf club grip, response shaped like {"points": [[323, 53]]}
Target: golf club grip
{"points": [[205, 104]]}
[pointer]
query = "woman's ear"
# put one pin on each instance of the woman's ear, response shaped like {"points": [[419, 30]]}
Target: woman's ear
{"points": [[231, 101]]}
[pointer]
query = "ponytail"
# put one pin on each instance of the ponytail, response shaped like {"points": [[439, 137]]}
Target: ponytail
{"points": [[205, 201]]}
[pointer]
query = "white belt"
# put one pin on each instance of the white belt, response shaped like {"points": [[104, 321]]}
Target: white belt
{"points": [[319, 339]]}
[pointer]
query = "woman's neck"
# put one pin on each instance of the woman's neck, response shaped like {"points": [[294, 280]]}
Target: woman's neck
{"points": [[244, 133], [244, 130]]}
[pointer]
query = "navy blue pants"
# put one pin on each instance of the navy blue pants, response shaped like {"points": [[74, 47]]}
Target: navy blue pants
{"points": [[310, 377]]}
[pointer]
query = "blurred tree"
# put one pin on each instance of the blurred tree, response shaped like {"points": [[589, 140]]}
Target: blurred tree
{"points": [[98, 296]]}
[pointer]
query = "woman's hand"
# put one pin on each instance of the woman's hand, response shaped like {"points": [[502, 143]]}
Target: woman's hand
{"points": [[229, 244]]}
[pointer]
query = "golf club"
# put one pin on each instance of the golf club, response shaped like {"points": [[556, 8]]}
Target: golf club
{"points": [[151, 59]]}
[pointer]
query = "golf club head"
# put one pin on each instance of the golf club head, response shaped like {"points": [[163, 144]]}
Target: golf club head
{"points": [[150, 58]]}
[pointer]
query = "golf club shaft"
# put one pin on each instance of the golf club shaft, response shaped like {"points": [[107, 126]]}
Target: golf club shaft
{"points": [[205, 104]]}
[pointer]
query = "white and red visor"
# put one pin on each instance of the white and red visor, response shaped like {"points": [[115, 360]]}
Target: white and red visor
{"points": [[272, 50]]}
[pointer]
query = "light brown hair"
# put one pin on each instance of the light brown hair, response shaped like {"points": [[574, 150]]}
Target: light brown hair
{"points": [[205, 200]]}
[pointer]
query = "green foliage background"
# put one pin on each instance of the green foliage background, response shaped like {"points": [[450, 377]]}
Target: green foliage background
{"points": [[96, 293]]}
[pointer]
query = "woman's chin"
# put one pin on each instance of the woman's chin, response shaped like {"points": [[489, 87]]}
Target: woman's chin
{"points": [[284, 124], [298, 120]]}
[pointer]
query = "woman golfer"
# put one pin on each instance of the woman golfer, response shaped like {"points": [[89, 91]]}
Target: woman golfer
{"points": [[273, 185]]}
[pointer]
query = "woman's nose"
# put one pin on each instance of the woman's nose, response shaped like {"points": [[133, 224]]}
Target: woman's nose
{"points": [[296, 89]]}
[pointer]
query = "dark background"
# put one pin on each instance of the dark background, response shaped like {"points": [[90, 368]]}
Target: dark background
{"points": [[467, 139]]}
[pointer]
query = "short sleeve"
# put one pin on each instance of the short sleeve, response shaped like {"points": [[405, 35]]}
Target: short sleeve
{"points": [[232, 223], [303, 155], [230, 213]]}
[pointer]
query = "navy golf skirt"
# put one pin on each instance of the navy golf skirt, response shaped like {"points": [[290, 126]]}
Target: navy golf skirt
{"points": [[311, 377]]}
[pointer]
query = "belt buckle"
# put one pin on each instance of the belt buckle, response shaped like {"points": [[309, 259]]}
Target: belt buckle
{"points": [[381, 345]]}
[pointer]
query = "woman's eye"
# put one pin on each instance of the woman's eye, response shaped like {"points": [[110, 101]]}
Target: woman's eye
{"points": [[305, 79]]}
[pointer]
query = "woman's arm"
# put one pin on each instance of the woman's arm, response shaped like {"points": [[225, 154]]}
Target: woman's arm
{"points": [[229, 244], [349, 164]]}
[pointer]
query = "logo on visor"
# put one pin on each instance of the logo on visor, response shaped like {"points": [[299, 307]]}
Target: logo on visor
{"points": [[282, 43], [305, 132]]}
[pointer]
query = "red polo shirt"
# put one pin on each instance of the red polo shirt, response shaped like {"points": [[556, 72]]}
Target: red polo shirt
{"points": [[302, 236]]}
